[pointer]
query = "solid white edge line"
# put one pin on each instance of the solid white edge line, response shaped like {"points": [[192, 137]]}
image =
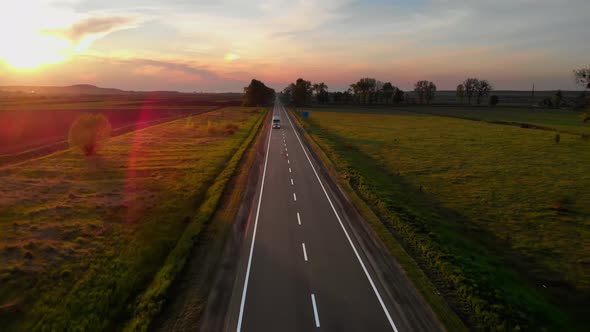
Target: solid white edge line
{"points": [[298, 219], [343, 228], [304, 251], [315, 311], [241, 316]]}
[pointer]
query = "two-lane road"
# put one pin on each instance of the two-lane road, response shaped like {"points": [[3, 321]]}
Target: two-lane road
{"points": [[302, 269]]}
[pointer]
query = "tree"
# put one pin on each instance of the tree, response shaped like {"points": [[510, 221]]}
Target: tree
{"points": [[483, 89], [494, 100], [302, 92], [321, 92], [287, 94], [470, 86], [557, 98], [88, 132], [425, 91], [257, 94], [398, 96], [388, 89], [461, 92], [582, 77], [364, 88]]}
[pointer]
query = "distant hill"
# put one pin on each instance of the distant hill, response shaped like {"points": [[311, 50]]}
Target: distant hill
{"points": [[78, 89]]}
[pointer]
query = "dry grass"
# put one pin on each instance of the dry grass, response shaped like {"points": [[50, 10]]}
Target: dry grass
{"points": [[80, 237]]}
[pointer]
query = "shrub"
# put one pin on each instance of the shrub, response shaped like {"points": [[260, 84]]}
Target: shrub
{"points": [[563, 204], [231, 128], [88, 131], [494, 100]]}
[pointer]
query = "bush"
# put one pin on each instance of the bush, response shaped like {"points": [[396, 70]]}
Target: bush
{"points": [[231, 128], [88, 131], [494, 100]]}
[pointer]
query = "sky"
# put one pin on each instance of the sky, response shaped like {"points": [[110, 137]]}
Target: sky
{"points": [[219, 46]]}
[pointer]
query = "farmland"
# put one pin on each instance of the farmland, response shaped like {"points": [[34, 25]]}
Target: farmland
{"points": [[81, 239], [497, 215], [37, 125]]}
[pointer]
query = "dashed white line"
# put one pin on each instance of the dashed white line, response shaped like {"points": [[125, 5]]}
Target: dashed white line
{"points": [[315, 311], [375, 290], [304, 251], [288, 162], [298, 219], [292, 182], [289, 169], [294, 197]]}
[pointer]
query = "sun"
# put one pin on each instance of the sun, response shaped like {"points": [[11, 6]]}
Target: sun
{"points": [[28, 50]]}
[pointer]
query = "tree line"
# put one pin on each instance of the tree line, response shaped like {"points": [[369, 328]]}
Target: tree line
{"points": [[372, 91]]}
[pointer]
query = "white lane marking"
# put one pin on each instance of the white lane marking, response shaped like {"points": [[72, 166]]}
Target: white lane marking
{"points": [[304, 251], [292, 182], [315, 311], [242, 305], [298, 219], [288, 162], [294, 197], [286, 154], [285, 149], [344, 229], [289, 169]]}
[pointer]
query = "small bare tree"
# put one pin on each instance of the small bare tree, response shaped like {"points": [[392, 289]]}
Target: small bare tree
{"points": [[470, 86], [461, 92]]}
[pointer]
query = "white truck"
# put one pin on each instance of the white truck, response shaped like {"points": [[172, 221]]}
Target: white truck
{"points": [[276, 122]]}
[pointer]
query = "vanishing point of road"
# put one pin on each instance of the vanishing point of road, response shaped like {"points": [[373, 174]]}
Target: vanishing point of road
{"points": [[303, 269]]}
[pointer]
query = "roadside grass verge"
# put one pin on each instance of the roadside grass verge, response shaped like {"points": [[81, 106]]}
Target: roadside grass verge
{"points": [[82, 238], [420, 280], [496, 215], [151, 301]]}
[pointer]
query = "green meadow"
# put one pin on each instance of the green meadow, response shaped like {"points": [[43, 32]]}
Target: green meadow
{"points": [[83, 238], [498, 216]]}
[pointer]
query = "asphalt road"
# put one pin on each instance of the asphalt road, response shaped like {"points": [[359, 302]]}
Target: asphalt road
{"points": [[303, 269]]}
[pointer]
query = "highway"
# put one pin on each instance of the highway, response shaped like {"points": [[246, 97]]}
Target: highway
{"points": [[302, 268]]}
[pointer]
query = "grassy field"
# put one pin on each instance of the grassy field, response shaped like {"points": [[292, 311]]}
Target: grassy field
{"points": [[550, 119], [38, 122], [82, 238], [497, 215]]}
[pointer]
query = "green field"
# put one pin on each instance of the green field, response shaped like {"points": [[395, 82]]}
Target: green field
{"points": [[81, 239], [497, 215]]}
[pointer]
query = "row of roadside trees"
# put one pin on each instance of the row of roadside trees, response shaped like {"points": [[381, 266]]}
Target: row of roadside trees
{"points": [[372, 91]]}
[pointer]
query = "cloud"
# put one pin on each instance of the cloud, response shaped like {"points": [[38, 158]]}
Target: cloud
{"points": [[84, 32], [97, 26]]}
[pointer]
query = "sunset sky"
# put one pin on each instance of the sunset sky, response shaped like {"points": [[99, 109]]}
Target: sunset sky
{"points": [[196, 45]]}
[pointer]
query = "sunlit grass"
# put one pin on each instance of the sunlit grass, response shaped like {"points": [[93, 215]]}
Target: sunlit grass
{"points": [[508, 207], [81, 237]]}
